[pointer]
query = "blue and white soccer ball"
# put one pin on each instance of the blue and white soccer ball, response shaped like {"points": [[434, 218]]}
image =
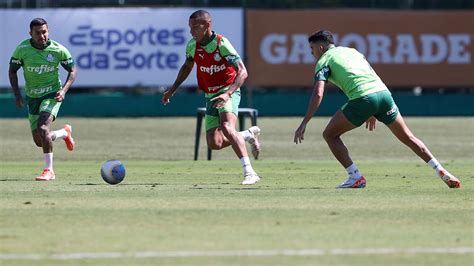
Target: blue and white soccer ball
{"points": [[112, 171]]}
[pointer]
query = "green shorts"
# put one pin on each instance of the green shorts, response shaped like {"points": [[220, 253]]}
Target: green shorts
{"points": [[379, 104], [212, 114], [36, 106]]}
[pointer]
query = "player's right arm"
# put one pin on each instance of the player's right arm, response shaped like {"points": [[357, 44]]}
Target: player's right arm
{"points": [[15, 64], [183, 73], [321, 77], [313, 106]]}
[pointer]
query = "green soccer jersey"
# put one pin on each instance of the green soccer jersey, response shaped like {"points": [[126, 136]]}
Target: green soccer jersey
{"points": [[349, 70], [225, 48], [41, 67]]}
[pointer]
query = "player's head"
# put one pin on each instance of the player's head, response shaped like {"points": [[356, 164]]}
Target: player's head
{"points": [[200, 24], [39, 31], [320, 42]]}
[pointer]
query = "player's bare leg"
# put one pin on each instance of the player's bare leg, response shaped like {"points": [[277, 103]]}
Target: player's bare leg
{"points": [[37, 137], [404, 134], [44, 122], [216, 139], [226, 135], [337, 126], [227, 126], [42, 131]]}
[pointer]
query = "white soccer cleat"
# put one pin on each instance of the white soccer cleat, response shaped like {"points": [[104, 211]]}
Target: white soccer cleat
{"points": [[254, 143], [449, 179], [250, 179], [353, 183]]}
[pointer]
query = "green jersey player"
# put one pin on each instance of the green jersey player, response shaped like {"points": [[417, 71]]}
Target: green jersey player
{"points": [[40, 58], [369, 100]]}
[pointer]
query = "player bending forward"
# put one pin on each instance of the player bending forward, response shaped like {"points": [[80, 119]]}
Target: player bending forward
{"points": [[220, 74], [369, 100]]}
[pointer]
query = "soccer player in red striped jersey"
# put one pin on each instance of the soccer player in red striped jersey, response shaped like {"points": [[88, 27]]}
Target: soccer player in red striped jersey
{"points": [[220, 74]]}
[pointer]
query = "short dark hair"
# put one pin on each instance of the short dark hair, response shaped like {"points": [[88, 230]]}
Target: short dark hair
{"points": [[201, 14], [323, 36], [37, 22]]}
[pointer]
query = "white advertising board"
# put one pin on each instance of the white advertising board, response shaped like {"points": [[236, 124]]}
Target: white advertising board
{"points": [[118, 46]]}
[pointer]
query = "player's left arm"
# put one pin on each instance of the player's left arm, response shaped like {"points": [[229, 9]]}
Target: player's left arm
{"points": [[238, 82], [370, 123], [230, 54], [71, 77], [242, 75], [68, 64]]}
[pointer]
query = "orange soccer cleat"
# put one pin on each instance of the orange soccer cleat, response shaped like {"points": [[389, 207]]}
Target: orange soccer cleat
{"points": [[46, 175], [68, 139], [449, 179]]}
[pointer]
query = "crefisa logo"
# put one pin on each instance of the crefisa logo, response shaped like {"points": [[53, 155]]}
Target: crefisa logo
{"points": [[125, 49]]}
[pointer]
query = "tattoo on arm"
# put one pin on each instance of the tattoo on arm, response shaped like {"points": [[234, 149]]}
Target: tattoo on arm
{"points": [[241, 76], [71, 77]]}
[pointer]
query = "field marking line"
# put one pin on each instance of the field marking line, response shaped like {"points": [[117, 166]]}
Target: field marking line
{"points": [[239, 253]]}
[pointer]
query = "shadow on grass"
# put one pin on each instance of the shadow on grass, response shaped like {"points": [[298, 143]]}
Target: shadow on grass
{"points": [[125, 184], [205, 187], [258, 188]]}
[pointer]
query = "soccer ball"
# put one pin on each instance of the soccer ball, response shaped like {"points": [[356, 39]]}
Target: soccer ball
{"points": [[112, 171]]}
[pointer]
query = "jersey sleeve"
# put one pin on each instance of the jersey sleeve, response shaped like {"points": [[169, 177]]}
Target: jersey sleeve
{"points": [[228, 51], [322, 71], [190, 50], [66, 60], [16, 61]]}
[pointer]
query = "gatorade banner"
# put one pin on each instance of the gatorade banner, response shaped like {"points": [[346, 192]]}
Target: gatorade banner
{"points": [[406, 48]]}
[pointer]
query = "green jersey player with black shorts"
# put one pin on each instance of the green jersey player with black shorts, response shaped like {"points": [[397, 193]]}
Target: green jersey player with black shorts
{"points": [[40, 58], [369, 100]]}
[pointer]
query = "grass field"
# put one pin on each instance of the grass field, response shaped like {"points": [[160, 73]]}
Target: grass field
{"points": [[171, 210]]}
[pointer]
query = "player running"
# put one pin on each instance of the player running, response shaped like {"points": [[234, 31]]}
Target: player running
{"points": [[369, 100], [220, 74], [40, 58]]}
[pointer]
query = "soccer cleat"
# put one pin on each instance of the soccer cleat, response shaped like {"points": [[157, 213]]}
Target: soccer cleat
{"points": [[354, 183], [68, 139], [250, 179], [46, 175], [254, 143], [449, 179]]}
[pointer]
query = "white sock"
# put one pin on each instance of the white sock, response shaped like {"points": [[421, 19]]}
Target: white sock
{"points": [[48, 161], [59, 134], [245, 161], [353, 172], [435, 165], [246, 134]]}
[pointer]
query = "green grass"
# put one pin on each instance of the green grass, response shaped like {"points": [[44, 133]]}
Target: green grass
{"points": [[170, 203]]}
